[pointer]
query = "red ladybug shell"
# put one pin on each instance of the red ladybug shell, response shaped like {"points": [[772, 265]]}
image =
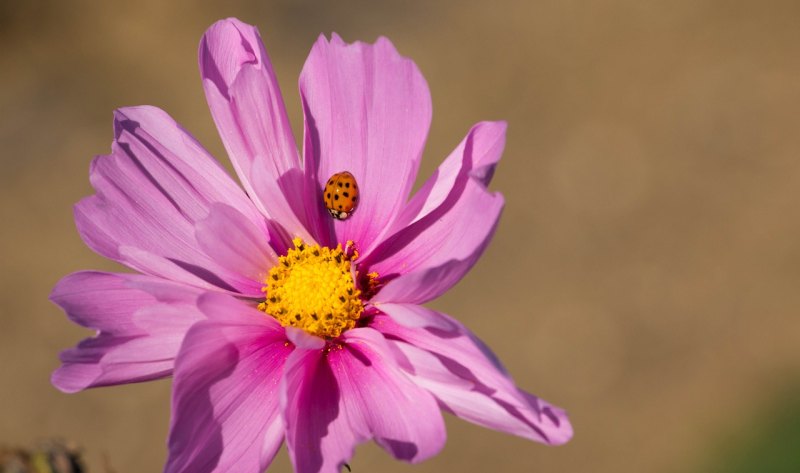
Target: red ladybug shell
{"points": [[341, 195]]}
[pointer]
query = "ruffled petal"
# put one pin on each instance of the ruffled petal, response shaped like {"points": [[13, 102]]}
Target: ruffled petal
{"points": [[434, 253], [246, 104], [356, 392], [225, 400], [474, 158], [447, 224], [467, 379], [151, 190], [367, 111], [140, 323]]}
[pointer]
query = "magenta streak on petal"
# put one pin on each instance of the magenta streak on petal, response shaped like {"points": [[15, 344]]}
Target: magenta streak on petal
{"points": [[403, 419], [358, 393], [322, 442], [225, 404]]}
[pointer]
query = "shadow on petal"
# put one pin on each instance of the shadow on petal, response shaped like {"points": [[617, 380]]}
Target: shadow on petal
{"points": [[405, 451], [196, 442]]}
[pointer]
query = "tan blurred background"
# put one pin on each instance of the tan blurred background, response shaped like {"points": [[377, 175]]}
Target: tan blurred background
{"points": [[645, 275]]}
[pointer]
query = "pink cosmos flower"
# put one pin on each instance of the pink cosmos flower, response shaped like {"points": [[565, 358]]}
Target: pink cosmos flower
{"points": [[277, 321]]}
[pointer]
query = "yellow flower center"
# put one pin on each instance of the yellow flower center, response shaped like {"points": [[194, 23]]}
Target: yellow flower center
{"points": [[312, 288]]}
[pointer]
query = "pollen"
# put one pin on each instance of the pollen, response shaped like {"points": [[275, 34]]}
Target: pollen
{"points": [[312, 288]]}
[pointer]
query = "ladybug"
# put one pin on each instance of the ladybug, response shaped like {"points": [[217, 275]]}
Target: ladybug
{"points": [[341, 195]]}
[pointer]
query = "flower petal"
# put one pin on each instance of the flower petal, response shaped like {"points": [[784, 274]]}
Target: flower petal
{"points": [[466, 377], [141, 321], [322, 442], [246, 104], [357, 392], [225, 396], [433, 254], [367, 111], [302, 339], [451, 218], [233, 242], [475, 157], [151, 190]]}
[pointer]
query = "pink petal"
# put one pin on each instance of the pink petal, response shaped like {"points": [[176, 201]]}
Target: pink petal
{"points": [[475, 157], [140, 323], [151, 190], [246, 103], [233, 242], [447, 224], [169, 268], [356, 392], [318, 436], [452, 214], [225, 396], [466, 377], [367, 111], [434, 253], [302, 339]]}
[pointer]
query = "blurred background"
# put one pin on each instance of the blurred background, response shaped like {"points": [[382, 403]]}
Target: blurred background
{"points": [[646, 272]]}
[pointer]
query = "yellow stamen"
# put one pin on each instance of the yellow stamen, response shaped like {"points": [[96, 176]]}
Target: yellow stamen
{"points": [[312, 288]]}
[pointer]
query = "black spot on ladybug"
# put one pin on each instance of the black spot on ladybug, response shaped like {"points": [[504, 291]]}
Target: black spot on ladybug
{"points": [[336, 197], [340, 207], [330, 183], [329, 195], [340, 184], [347, 184], [346, 194], [355, 198]]}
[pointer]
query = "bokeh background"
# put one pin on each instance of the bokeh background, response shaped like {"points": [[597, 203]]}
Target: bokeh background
{"points": [[646, 272]]}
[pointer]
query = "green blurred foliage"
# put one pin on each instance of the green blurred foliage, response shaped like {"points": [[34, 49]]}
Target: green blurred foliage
{"points": [[770, 444]]}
